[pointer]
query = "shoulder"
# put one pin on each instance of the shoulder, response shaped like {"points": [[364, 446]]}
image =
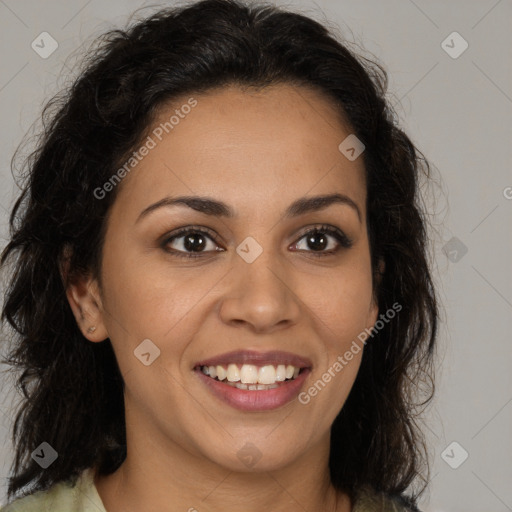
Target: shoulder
{"points": [[369, 500], [61, 497]]}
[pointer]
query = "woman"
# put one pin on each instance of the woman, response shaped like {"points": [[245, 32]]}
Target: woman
{"points": [[230, 303]]}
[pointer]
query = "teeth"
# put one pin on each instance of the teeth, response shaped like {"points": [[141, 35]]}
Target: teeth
{"points": [[233, 374], [267, 375], [251, 387], [250, 375], [281, 373], [221, 373]]}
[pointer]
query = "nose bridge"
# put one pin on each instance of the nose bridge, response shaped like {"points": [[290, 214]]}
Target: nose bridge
{"points": [[260, 291]]}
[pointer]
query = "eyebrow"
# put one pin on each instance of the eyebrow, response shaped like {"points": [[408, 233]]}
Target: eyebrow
{"points": [[210, 206]]}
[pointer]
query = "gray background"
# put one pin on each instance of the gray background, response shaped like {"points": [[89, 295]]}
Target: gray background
{"points": [[458, 112]]}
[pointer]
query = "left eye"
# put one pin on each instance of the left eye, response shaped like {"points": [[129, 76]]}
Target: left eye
{"points": [[194, 242], [318, 239]]}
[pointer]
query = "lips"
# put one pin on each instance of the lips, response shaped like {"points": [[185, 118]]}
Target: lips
{"points": [[254, 397], [241, 357]]}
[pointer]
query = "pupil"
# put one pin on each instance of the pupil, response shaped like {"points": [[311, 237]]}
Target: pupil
{"points": [[315, 245], [189, 242]]}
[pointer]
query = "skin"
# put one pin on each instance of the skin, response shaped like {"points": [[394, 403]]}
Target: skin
{"points": [[258, 152]]}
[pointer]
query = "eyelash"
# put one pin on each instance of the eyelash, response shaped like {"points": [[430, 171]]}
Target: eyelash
{"points": [[344, 241]]}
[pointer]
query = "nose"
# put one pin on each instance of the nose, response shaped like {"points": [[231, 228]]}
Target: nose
{"points": [[260, 295]]}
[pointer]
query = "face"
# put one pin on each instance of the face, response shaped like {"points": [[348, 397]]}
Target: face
{"points": [[257, 281]]}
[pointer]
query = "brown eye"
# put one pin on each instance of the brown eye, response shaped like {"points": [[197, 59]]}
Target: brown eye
{"points": [[190, 243], [323, 241]]}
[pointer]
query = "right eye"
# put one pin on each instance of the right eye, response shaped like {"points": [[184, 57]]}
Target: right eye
{"points": [[190, 239]]}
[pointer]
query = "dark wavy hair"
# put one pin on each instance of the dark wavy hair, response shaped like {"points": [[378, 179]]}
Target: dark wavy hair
{"points": [[72, 389]]}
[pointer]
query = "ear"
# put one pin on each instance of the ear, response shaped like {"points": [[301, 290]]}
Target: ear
{"points": [[84, 298]]}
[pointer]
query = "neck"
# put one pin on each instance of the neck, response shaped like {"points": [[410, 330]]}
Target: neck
{"points": [[159, 475]]}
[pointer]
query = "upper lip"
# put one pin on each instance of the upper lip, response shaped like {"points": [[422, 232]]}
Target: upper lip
{"points": [[274, 357]]}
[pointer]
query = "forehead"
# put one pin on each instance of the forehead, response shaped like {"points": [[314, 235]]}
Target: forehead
{"points": [[247, 147]]}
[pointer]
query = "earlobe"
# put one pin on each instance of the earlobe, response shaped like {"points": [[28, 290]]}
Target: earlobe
{"points": [[85, 302], [84, 299]]}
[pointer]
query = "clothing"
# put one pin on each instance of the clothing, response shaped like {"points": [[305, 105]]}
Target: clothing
{"points": [[84, 497], [62, 497]]}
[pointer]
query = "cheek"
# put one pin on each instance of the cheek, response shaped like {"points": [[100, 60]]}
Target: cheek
{"points": [[341, 301], [147, 296], [147, 300]]}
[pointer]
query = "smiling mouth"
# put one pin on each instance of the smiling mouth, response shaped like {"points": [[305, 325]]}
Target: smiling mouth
{"points": [[251, 377]]}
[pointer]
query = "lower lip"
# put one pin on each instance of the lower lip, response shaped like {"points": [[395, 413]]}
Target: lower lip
{"points": [[257, 400]]}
